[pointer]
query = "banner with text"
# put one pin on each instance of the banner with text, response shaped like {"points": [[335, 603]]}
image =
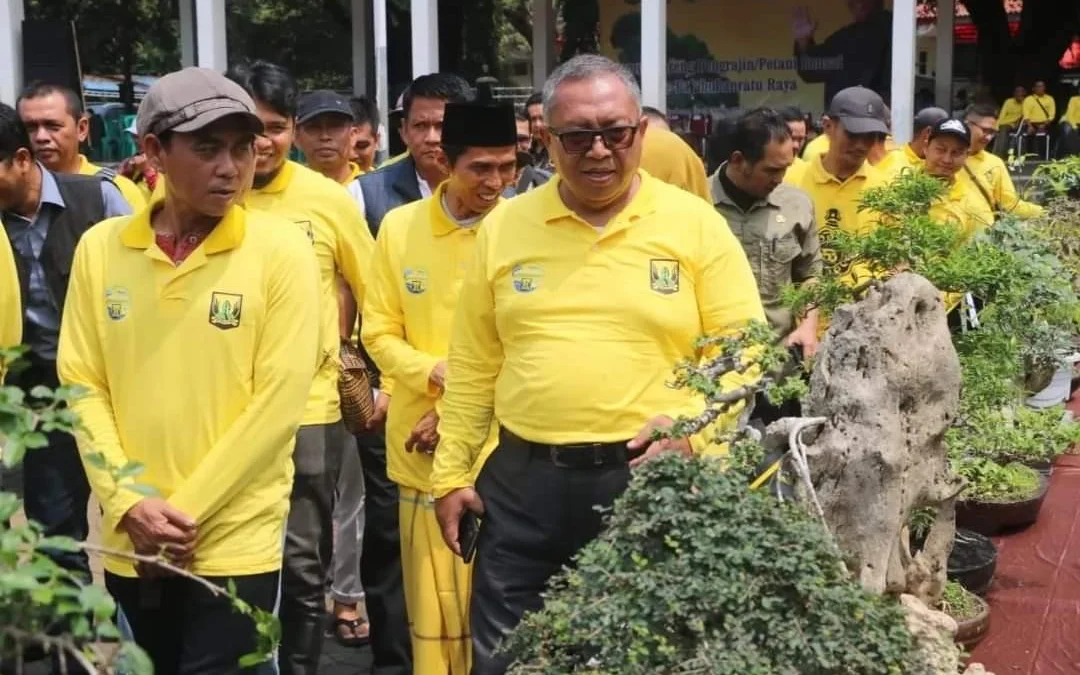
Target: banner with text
{"points": [[739, 53]]}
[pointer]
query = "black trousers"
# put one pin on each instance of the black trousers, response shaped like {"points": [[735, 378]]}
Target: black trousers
{"points": [[537, 516], [187, 630], [309, 539], [54, 486], [380, 563]]}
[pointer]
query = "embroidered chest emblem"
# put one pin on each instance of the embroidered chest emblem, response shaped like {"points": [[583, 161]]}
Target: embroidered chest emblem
{"points": [[526, 278], [225, 309], [664, 275], [117, 302], [416, 280]]}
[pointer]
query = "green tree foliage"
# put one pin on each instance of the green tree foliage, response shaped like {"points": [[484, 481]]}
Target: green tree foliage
{"points": [[697, 574]]}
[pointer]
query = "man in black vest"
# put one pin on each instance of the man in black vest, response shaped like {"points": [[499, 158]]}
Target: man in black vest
{"points": [[420, 173], [402, 182], [44, 215]]}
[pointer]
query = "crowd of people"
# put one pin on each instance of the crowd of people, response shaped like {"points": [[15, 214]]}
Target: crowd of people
{"points": [[521, 283]]}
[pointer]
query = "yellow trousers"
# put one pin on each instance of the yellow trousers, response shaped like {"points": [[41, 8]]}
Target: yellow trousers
{"points": [[437, 587]]}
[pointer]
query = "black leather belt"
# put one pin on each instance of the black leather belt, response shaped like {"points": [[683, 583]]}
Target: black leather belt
{"points": [[574, 455]]}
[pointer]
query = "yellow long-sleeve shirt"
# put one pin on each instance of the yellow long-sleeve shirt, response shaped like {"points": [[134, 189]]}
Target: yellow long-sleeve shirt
{"points": [[1012, 111], [666, 156], [565, 334], [420, 260], [796, 171], [131, 192], [1039, 109], [963, 206], [1072, 112], [10, 303], [198, 371], [336, 229], [993, 176]]}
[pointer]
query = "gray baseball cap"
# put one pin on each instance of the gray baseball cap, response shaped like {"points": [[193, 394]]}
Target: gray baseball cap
{"points": [[187, 100], [860, 111], [322, 101]]}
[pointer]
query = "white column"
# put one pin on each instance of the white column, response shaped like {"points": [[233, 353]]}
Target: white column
{"points": [[543, 41], [654, 53], [943, 62], [425, 36], [361, 52], [11, 57], [903, 70], [382, 73], [210, 49], [187, 33]]}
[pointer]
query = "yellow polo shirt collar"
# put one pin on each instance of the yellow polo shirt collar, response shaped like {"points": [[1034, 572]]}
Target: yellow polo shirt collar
{"points": [[642, 205], [282, 179], [226, 235], [821, 175]]}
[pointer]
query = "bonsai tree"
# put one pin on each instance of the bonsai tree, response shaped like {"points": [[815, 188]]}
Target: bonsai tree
{"points": [[696, 573], [45, 605]]}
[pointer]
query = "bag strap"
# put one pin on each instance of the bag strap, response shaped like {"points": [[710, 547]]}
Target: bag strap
{"points": [[982, 189], [1045, 111]]}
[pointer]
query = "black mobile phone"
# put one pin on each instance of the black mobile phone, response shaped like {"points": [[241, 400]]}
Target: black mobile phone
{"points": [[468, 534]]}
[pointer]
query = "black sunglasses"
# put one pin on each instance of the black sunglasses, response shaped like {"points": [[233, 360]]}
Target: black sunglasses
{"points": [[579, 141]]}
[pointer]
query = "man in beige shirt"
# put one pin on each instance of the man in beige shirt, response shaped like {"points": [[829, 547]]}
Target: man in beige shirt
{"points": [[774, 222]]}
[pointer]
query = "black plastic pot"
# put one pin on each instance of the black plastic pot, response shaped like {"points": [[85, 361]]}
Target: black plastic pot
{"points": [[970, 632], [989, 518], [972, 561]]}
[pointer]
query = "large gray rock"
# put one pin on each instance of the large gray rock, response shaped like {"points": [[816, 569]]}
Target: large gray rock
{"points": [[887, 380]]}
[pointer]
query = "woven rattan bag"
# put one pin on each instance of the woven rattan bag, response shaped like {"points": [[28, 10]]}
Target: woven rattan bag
{"points": [[354, 386]]}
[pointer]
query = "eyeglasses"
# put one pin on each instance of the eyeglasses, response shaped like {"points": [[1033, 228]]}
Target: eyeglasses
{"points": [[579, 141], [988, 131]]}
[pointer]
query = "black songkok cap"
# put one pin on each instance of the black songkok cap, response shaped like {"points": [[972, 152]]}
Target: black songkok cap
{"points": [[480, 125]]}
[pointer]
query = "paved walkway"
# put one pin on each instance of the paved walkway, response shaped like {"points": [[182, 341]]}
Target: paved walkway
{"points": [[1035, 598]]}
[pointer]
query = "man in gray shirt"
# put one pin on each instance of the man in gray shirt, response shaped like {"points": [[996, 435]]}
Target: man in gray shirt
{"points": [[44, 215], [774, 221]]}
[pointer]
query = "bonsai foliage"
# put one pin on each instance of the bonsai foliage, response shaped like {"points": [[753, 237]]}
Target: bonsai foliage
{"points": [[45, 605], [989, 481], [960, 603], [1018, 434], [697, 574]]}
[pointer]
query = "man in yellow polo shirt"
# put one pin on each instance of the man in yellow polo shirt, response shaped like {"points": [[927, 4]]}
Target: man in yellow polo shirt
{"points": [[1069, 144], [962, 205], [57, 123], [986, 171], [192, 328], [911, 155], [422, 253], [332, 223], [836, 180], [582, 296], [325, 131], [671, 159], [1012, 111], [10, 302], [1039, 109]]}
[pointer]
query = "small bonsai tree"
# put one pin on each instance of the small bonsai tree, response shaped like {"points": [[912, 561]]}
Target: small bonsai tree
{"points": [[45, 605], [696, 573]]}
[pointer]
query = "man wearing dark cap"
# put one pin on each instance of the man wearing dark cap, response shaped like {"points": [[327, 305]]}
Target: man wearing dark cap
{"points": [[192, 329], [856, 119], [422, 252], [912, 154], [325, 130], [946, 152], [336, 231]]}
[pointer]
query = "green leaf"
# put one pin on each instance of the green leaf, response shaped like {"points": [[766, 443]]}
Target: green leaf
{"points": [[96, 460], [41, 392], [35, 439], [129, 470], [9, 505], [14, 451], [253, 659], [58, 544]]}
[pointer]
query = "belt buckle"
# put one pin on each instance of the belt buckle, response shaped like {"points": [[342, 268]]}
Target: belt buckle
{"points": [[593, 449]]}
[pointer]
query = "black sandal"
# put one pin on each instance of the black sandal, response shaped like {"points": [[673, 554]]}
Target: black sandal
{"points": [[354, 626]]}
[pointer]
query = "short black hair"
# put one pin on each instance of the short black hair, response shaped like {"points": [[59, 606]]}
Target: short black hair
{"points": [[443, 86], [41, 88], [364, 111], [981, 110], [534, 98], [720, 141], [268, 83], [754, 130], [13, 133], [791, 113], [453, 153]]}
